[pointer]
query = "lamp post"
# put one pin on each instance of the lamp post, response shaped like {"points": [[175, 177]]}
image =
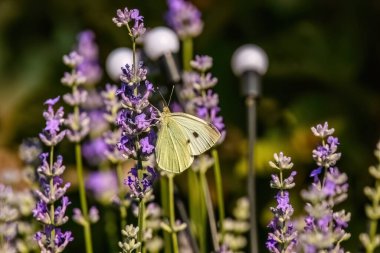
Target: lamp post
{"points": [[250, 62], [117, 59], [161, 44]]}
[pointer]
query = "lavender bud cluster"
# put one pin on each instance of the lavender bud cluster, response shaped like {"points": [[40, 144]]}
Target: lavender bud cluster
{"points": [[234, 239], [112, 137], [137, 115], [48, 211], [325, 227], [184, 18], [78, 123], [197, 95], [282, 236], [371, 240]]}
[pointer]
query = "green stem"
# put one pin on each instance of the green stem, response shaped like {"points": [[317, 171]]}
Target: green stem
{"points": [[111, 230], [123, 209], [82, 197], [219, 191], [165, 207], [187, 53], [193, 201], [210, 211], [141, 224], [172, 213], [201, 221]]}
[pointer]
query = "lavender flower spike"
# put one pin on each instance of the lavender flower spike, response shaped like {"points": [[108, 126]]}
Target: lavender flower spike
{"points": [[282, 236], [52, 134], [325, 227], [184, 18], [47, 211]]}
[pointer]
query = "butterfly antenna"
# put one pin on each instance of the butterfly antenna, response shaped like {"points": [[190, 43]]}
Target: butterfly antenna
{"points": [[171, 94], [163, 99]]}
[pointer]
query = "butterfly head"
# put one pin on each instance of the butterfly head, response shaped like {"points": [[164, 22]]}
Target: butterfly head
{"points": [[166, 110]]}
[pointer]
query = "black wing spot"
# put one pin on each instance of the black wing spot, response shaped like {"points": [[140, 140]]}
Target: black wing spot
{"points": [[188, 141], [195, 134]]}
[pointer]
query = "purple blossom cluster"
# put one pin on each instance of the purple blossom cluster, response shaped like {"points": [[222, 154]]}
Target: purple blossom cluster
{"points": [[78, 123], [282, 236], [113, 136], [124, 17], [184, 18], [140, 185], [197, 95], [47, 211], [88, 49], [137, 115], [325, 227]]}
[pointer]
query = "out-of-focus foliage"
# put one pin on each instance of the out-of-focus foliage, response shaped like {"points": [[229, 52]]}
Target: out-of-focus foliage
{"points": [[324, 66]]}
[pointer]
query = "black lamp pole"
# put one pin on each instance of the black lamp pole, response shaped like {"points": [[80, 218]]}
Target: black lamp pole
{"points": [[249, 62]]}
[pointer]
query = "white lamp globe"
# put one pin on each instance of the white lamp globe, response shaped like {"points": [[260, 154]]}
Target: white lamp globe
{"points": [[118, 58], [249, 57], [159, 41]]}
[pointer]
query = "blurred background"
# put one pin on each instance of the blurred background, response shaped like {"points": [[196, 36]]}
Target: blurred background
{"points": [[324, 59]]}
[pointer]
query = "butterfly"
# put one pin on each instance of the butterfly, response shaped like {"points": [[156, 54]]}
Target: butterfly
{"points": [[182, 136]]}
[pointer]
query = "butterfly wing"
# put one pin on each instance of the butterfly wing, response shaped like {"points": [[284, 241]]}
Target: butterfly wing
{"points": [[173, 153], [200, 135]]}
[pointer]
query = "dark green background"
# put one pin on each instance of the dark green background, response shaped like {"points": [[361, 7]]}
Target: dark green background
{"points": [[324, 59]]}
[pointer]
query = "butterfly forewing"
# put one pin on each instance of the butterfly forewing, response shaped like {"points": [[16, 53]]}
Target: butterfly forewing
{"points": [[200, 135], [173, 154]]}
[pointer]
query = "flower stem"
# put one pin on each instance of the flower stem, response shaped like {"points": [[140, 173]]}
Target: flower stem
{"points": [[219, 191], [187, 53], [111, 229], [141, 224], [210, 210], [165, 205], [82, 197], [123, 209], [172, 213]]}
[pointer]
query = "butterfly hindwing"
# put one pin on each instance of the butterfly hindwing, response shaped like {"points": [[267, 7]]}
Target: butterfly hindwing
{"points": [[173, 153], [201, 135]]}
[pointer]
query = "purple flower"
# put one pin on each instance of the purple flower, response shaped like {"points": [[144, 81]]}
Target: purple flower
{"points": [[52, 134], [137, 116], [94, 151], [184, 18], [139, 187], [198, 98], [282, 236], [324, 229], [88, 49], [103, 184], [52, 189], [123, 17]]}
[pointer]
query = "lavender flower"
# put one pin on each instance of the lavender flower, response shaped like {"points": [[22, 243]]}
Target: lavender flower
{"points": [[282, 236], [129, 243], [88, 49], [8, 220], [198, 98], [325, 227], [103, 184], [140, 186], [184, 18], [52, 134], [77, 122], [371, 239], [47, 211], [234, 239], [124, 17]]}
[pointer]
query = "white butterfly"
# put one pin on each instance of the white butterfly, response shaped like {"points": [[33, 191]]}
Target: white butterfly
{"points": [[182, 136]]}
